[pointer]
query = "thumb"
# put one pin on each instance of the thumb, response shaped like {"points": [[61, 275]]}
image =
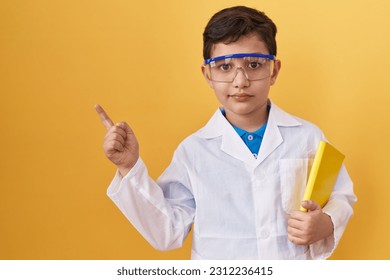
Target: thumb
{"points": [[310, 205]]}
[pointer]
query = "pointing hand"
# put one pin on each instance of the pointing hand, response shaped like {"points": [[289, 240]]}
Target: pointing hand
{"points": [[120, 144]]}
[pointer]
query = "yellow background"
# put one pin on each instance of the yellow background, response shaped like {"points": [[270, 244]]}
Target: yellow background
{"points": [[141, 61]]}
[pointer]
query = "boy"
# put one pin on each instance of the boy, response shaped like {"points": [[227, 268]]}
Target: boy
{"points": [[239, 179]]}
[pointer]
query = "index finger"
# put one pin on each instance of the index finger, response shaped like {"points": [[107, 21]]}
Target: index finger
{"points": [[107, 122]]}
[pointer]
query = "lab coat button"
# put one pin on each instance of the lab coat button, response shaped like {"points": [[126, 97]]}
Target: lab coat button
{"points": [[264, 234]]}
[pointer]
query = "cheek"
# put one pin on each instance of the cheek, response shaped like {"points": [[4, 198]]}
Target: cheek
{"points": [[221, 90], [264, 86]]}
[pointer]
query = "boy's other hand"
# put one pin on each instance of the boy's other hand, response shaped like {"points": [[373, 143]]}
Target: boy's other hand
{"points": [[305, 228], [120, 144]]}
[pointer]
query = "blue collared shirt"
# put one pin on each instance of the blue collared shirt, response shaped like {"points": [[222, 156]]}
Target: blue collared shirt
{"points": [[252, 139]]}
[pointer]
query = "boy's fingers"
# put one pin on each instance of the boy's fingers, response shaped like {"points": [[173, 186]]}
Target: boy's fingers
{"points": [[310, 205], [107, 122], [126, 127]]}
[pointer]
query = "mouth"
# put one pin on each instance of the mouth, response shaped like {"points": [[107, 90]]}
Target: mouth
{"points": [[241, 96]]}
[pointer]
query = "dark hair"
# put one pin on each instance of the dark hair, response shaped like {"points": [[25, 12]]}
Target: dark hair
{"points": [[229, 24]]}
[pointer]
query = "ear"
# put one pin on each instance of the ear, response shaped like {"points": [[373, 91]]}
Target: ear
{"points": [[204, 72], [277, 66]]}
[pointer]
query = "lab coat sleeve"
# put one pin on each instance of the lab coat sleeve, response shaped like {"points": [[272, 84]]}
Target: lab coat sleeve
{"points": [[163, 221], [339, 208]]}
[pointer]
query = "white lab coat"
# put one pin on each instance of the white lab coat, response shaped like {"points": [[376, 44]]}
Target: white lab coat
{"points": [[239, 205]]}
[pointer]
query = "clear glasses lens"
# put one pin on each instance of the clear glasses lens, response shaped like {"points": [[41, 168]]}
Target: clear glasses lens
{"points": [[254, 68]]}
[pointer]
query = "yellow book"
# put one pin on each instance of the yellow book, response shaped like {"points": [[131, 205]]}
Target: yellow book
{"points": [[323, 174]]}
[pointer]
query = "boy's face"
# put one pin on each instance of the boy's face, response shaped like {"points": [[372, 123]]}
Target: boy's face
{"points": [[243, 98]]}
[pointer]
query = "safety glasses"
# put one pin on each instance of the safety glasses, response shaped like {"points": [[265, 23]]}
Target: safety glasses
{"points": [[224, 69]]}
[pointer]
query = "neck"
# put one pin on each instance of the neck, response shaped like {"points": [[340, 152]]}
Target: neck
{"points": [[251, 121]]}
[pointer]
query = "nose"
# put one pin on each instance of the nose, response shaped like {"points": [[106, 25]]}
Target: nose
{"points": [[241, 78]]}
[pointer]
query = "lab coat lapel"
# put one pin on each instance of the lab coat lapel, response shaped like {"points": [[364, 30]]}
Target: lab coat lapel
{"points": [[233, 145], [273, 137]]}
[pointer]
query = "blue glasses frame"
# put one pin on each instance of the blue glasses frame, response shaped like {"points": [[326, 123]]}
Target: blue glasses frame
{"points": [[239, 55]]}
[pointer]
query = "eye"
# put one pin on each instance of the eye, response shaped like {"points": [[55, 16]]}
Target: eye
{"points": [[225, 67], [254, 65]]}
